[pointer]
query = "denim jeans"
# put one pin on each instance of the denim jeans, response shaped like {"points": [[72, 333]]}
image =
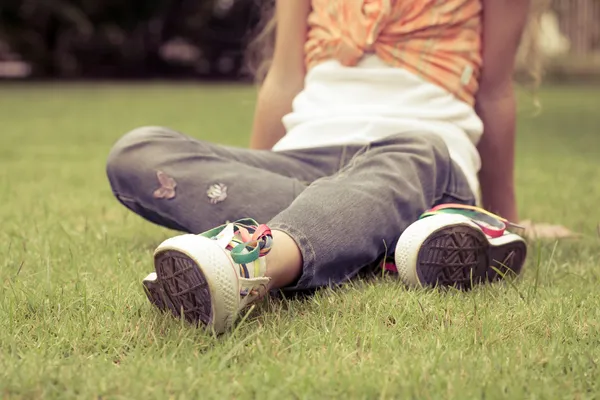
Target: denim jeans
{"points": [[345, 206]]}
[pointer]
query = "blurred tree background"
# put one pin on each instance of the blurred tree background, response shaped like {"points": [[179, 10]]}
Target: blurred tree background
{"points": [[206, 38], [128, 39]]}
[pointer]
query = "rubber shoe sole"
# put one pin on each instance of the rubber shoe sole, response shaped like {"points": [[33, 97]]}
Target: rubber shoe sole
{"points": [[155, 292], [195, 280], [451, 251]]}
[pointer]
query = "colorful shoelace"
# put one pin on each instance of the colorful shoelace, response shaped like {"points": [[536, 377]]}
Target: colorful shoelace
{"points": [[491, 224], [248, 241]]}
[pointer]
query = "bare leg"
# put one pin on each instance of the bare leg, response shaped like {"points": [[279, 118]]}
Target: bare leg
{"points": [[284, 262]]}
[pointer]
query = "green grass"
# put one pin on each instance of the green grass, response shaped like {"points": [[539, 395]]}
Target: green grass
{"points": [[74, 322]]}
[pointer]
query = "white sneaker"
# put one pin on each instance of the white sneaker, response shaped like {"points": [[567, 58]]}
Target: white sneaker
{"points": [[209, 278], [450, 249]]}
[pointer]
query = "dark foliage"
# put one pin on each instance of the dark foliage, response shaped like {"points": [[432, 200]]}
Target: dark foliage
{"points": [[128, 39]]}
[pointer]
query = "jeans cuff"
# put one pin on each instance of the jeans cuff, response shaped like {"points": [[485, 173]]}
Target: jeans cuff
{"points": [[308, 255]]}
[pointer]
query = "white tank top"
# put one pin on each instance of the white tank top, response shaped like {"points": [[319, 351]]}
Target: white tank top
{"points": [[357, 105]]}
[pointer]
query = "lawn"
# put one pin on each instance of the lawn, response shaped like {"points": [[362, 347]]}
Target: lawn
{"points": [[74, 322]]}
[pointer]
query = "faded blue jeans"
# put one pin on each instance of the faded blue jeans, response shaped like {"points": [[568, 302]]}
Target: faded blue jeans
{"points": [[345, 206]]}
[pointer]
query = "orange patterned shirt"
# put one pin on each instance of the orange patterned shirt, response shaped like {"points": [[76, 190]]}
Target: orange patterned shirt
{"points": [[439, 40]]}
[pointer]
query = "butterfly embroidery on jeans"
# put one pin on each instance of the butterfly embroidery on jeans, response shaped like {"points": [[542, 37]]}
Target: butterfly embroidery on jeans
{"points": [[167, 186]]}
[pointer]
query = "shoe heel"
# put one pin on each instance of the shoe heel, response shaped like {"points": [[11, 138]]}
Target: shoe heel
{"points": [[200, 280], [454, 256]]}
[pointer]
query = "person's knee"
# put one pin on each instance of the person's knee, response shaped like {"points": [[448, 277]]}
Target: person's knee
{"points": [[430, 145], [425, 143], [134, 152]]}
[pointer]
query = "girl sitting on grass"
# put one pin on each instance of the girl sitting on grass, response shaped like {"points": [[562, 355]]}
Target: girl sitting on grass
{"points": [[368, 140]]}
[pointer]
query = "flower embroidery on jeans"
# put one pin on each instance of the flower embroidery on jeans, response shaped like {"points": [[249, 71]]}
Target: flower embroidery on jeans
{"points": [[217, 193]]}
